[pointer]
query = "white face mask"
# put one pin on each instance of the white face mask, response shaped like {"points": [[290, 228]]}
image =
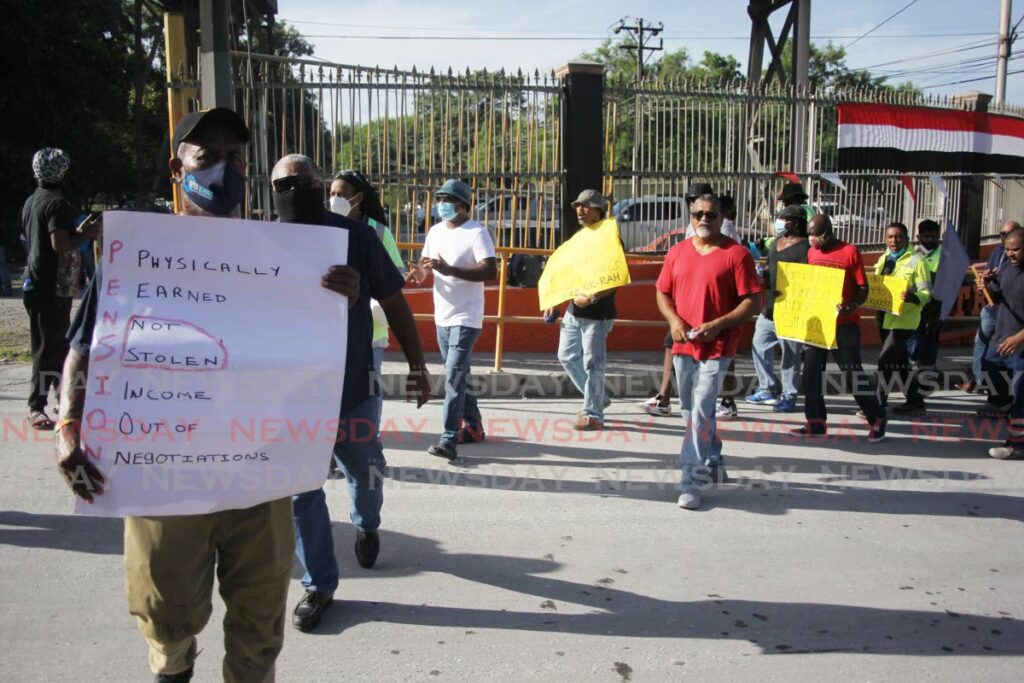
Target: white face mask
{"points": [[340, 205]]}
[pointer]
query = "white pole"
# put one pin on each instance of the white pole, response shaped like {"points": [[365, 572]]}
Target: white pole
{"points": [[1004, 51]]}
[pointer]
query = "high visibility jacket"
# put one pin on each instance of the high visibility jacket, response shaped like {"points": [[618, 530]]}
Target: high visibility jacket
{"points": [[912, 268]]}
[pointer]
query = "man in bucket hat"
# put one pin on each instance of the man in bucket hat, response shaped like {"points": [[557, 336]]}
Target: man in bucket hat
{"points": [[460, 253]]}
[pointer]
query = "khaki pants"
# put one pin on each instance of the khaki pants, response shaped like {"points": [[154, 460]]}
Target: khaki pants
{"points": [[169, 564]]}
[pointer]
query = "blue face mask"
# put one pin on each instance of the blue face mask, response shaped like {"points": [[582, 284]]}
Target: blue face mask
{"points": [[447, 211], [894, 255], [780, 227], [217, 190]]}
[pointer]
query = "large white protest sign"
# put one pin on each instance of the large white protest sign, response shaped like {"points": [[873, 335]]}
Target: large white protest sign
{"points": [[217, 361]]}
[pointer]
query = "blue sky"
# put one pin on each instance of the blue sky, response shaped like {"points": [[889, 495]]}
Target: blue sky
{"points": [[911, 41]]}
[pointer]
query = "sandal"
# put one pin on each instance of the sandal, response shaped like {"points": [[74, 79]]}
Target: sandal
{"points": [[41, 421]]}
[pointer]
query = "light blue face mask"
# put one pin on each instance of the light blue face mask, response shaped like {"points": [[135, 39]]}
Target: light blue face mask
{"points": [[780, 227], [894, 255], [447, 210]]}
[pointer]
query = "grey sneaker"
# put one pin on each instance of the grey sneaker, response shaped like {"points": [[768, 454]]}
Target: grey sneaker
{"points": [[727, 410], [689, 499], [444, 450]]}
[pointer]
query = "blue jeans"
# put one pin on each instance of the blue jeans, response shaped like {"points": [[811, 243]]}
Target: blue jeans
{"points": [[582, 352], [765, 340], [378, 358], [360, 457], [456, 344], [993, 362], [5, 274], [699, 385], [986, 328]]}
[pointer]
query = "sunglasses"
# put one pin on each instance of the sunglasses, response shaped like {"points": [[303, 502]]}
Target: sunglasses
{"points": [[710, 215], [292, 183]]}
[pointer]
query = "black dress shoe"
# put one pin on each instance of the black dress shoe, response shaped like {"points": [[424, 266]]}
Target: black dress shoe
{"points": [[444, 450], [310, 610], [367, 548], [182, 677]]}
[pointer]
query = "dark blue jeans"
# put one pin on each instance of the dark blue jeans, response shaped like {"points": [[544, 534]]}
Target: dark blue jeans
{"points": [[456, 344], [361, 459], [1014, 365]]}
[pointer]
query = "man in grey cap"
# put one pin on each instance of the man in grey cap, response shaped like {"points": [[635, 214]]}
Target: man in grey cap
{"points": [[460, 253], [582, 342], [170, 561]]}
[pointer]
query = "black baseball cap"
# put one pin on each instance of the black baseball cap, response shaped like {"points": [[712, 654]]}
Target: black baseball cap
{"points": [[697, 190], [191, 123]]}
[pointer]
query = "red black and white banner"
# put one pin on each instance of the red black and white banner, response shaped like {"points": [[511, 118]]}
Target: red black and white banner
{"points": [[923, 139]]}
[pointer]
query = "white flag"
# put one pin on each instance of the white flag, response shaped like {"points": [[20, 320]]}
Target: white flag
{"points": [[939, 182], [953, 263], [834, 179]]}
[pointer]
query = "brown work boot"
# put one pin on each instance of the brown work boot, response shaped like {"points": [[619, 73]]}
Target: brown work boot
{"points": [[585, 423]]}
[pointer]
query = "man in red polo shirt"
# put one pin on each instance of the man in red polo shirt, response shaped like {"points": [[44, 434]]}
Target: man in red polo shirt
{"points": [[828, 251], [707, 287]]}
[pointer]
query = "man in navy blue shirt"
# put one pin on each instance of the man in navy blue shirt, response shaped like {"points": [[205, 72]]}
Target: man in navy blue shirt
{"points": [[298, 190], [995, 406]]}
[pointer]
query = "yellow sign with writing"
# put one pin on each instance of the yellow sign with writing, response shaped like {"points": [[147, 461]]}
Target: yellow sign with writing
{"points": [[590, 261], [885, 293], [806, 304]]}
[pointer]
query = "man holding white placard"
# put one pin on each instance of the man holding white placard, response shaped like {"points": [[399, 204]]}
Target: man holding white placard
{"points": [[170, 561]]}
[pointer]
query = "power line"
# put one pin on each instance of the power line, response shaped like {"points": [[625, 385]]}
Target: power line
{"points": [[638, 33], [966, 47], [969, 80], [577, 37], [884, 22]]}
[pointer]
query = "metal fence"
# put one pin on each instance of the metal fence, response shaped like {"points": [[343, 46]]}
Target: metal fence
{"points": [[409, 131], [660, 137]]}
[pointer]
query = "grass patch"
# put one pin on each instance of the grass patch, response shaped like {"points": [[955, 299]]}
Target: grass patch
{"points": [[14, 354]]}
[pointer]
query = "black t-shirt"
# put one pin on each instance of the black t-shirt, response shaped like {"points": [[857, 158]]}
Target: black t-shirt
{"points": [[1010, 314], [44, 212], [602, 309], [794, 253], [378, 279]]}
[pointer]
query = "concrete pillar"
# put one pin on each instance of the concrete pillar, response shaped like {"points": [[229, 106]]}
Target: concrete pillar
{"points": [[215, 58], [582, 147]]}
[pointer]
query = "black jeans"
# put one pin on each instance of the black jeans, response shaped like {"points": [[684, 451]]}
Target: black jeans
{"points": [[894, 366], [861, 384], [49, 318]]}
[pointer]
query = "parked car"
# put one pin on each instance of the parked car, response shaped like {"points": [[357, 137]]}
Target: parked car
{"points": [[642, 220]]}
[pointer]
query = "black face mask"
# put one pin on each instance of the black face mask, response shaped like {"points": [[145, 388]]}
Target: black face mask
{"points": [[301, 205]]}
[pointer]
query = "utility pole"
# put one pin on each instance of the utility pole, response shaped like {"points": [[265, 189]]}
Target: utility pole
{"points": [[639, 33], [1005, 42]]}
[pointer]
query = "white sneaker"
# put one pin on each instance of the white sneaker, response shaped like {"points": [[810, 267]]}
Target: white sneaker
{"points": [[652, 407], [689, 499]]}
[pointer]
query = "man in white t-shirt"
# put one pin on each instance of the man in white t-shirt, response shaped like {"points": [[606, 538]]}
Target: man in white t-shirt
{"points": [[460, 253]]}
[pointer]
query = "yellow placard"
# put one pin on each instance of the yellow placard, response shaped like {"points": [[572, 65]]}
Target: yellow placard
{"points": [[805, 307], [590, 261], [885, 293]]}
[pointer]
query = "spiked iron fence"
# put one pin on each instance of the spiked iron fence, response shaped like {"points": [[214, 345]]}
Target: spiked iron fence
{"points": [[660, 137], [408, 131]]}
